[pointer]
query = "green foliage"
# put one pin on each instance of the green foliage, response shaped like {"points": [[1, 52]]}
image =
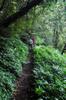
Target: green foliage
{"points": [[12, 53], [7, 86], [49, 74], [50, 24]]}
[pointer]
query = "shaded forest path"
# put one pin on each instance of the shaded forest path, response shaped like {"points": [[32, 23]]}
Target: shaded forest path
{"points": [[25, 85]]}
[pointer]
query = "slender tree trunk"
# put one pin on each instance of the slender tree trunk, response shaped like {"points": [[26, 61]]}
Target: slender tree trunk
{"points": [[55, 38]]}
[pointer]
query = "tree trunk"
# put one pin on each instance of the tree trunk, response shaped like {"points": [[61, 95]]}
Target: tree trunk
{"points": [[25, 9]]}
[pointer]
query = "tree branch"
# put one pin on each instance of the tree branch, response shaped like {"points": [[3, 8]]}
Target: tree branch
{"points": [[24, 10]]}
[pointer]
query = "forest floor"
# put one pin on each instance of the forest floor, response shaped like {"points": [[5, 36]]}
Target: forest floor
{"points": [[26, 84]]}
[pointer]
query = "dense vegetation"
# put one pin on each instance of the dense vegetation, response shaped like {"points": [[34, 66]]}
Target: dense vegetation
{"points": [[49, 74], [12, 56], [47, 23]]}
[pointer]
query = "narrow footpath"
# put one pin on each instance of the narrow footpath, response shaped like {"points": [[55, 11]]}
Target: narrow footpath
{"points": [[26, 83]]}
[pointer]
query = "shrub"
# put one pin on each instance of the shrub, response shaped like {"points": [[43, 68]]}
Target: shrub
{"points": [[12, 53], [49, 74]]}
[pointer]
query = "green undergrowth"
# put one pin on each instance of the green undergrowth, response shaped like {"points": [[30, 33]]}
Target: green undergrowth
{"points": [[12, 53], [50, 74]]}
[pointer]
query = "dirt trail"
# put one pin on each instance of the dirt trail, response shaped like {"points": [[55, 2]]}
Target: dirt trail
{"points": [[25, 85]]}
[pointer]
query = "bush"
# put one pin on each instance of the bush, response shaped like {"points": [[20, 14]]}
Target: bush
{"points": [[12, 53], [49, 74]]}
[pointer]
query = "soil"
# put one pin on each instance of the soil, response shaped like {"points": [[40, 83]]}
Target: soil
{"points": [[26, 84]]}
